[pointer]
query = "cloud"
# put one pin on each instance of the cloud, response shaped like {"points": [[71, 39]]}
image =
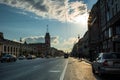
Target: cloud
{"points": [[23, 13], [34, 39], [70, 41], [16, 40], [40, 39], [61, 10], [67, 44], [55, 40]]}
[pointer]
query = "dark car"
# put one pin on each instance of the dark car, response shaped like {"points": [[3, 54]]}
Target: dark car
{"points": [[31, 57], [8, 58], [66, 55], [107, 63]]}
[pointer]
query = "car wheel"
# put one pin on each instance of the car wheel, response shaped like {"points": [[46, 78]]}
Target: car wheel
{"points": [[100, 73], [8, 60], [93, 70], [14, 60], [1, 61]]}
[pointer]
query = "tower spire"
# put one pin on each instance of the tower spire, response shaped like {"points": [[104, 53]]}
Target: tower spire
{"points": [[47, 28], [20, 39]]}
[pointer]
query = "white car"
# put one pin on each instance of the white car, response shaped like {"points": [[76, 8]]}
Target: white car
{"points": [[21, 57]]}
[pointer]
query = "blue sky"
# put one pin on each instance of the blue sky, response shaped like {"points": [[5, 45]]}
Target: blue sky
{"points": [[28, 19]]}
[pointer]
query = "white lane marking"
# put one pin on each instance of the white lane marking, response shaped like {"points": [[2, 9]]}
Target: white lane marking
{"points": [[63, 73], [54, 71]]}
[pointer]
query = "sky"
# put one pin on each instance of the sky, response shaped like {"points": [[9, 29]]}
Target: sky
{"points": [[28, 19]]}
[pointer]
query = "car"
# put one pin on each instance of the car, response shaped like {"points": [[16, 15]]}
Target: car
{"points": [[21, 57], [65, 55], [8, 58], [31, 57], [107, 63]]}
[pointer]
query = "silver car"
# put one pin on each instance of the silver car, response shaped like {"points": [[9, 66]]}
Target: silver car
{"points": [[21, 57], [107, 63]]}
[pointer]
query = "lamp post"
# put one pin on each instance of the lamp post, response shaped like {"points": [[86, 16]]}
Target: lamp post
{"points": [[20, 50]]}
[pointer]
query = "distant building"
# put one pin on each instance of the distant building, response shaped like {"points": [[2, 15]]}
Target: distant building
{"points": [[43, 49], [83, 45], [15, 48], [18, 48]]}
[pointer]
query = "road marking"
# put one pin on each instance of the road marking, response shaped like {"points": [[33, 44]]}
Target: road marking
{"points": [[63, 73], [54, 71]]}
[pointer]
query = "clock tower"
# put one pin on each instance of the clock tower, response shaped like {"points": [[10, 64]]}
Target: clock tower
{"points": [[47, 39]]}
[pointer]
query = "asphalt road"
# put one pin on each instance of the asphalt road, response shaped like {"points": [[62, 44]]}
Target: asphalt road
{"points": [[35, 69]]}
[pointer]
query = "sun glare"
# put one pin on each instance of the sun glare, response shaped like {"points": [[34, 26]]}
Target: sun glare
{"points": [[82, 19]]}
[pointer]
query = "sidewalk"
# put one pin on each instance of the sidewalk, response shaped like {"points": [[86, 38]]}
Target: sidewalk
{"points": [[78, 70]]}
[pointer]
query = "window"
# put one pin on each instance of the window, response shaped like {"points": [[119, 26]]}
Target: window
{"points": [[11, 49], [112, 2], [118, 30], [116, 8], [110, 32], [8, 48], [104, 44], [111, 56], [108, 16], [14, 49], [5, 48], [112, 12]]}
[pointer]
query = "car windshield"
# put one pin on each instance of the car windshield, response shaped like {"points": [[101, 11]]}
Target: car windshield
{"points": [[111, 56]]}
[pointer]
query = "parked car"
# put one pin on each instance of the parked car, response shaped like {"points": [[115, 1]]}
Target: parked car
{"points": [[31, 57], [21, 57], [8, 58], [107, 63]]}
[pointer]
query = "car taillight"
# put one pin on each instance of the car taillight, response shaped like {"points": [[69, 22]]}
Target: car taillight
{"points": [[105, 63]]}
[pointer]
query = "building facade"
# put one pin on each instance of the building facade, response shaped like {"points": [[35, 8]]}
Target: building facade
{"points": [[83, 48], [18, 48], [14, 48], [110, 25], [94, 31], [43, 49], [104, 27]]}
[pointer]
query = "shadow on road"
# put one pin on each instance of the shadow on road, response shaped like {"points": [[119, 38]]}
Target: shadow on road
{"points": [[107, 77], [71, 62]]}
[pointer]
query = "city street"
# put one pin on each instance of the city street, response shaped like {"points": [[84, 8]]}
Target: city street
{"points": [[59, 39], [34, 69], [50, 69]]}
